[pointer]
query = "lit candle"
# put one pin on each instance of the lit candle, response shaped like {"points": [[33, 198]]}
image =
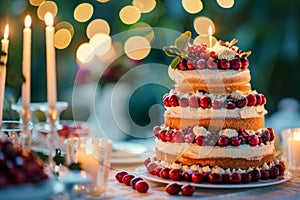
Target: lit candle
{"points": [[294, 151], [26, 63], [4, 43], [51, 65], [209, 36]]}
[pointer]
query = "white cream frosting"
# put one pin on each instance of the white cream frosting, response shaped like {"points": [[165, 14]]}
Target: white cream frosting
{"points": [[200, 113], [197, 152]]}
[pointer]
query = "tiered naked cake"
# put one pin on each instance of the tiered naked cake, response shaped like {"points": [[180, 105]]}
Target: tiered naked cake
{"points": [[214, 121]]}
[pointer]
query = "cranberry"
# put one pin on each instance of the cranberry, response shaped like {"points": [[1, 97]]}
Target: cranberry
{"points": [[177, 136], [157, 170], [183, 102], [205, 176], [147, 161], [119, 176], [263, 99], [205, 102], [280, 168], [156, 130], [265, 174], [141, 186], [187, 190], [197, 177], [223, 141], [246, 177], [189, 138], [191, 65], [245, 63], [151, 168], [224, 64], [212, 63], [236, 64], [217, 104], [173, 100], [265, 136], [200, 140], [162, 134], [256, 175], [274, 172], [194, 102], [230, 104], [134, 181], [187, 175], [258, 99], [253, 140], [251, 99], [182, 65], [235, 178], [243, 140], [173, 189], [272, 134], [166, 101], [201, 64], [225, 178], [164, 173], [175, 175], [235, 141], [215, 178], [242, 102], [127, 179]]}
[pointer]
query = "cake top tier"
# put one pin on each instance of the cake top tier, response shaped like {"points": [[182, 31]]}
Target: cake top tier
{"points": [[223, 55]]}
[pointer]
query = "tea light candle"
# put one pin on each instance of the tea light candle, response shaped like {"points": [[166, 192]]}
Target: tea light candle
{"points": [[294, 150]]}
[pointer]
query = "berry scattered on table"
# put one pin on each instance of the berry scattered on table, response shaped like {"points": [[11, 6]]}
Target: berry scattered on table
{"points": [[173, 189]]}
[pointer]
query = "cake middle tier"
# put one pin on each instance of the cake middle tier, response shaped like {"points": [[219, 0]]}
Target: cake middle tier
{"points": [[247, 118]]}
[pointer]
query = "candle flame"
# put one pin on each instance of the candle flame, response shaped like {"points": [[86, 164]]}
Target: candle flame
{"points": [[27, 21], [49, 19], [297, 136], [209, 30], [6, 30]]}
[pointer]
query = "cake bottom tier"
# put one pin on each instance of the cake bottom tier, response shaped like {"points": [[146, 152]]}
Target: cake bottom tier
{"points": [[216, 124]]}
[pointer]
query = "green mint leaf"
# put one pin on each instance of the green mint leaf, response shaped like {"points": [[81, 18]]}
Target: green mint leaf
{"points": [[171, 51], [175, 62], [182, 42]]}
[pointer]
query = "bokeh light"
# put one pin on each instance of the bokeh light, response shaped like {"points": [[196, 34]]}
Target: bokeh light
{"points": [[201, 25], [47, 6], [112, 54], [143, 29], [100, 43], [137, 47], [84, 53], [65, 25], [204, 39], [192, 6], [97, 26], [144, 6], [62, 38], [225, 3], [36, 2], [83, 12], [103, 1], [129, 14]]}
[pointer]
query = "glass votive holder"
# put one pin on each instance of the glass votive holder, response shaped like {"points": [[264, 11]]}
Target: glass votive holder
{"points": [[294, 150], [93, 155]]}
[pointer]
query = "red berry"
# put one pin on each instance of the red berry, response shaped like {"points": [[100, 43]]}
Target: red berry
{"points": [[236, 64], [223, 141], [141, 186], [151, 168], [224, 64], [258, 99], [280, 168], [216, 104], [251, 99], [230, 104], [168, 135], [235, 178], [173, 100], [164, 173], [215, 178], [197, 177], [182, 65], [265, 136], [127, 179], [119, 176], [187, 190], [256, 175], [200, 140], [253, 140], [225, 178], [173, 188], [162, 134], [166, 101], [212, 63], [205, 102], [272, 134], [191, 65], [156, 130], [194, 102], [175, 175], [265, 174], [235, 141], [183, 102], [201, 64], [242, 102], [157, 170], [189, 138], [263, 99], [134, 181], [246, 177], [187, 175], [274, 172], [177, 136], [147, 161], [245, 63]]}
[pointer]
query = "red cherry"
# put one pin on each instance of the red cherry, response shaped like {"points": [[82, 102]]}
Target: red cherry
{"points": [[272, 134], [235, 178], [168, 135], [189, 138], [263, 99], [182, 65], [245, 63], [224, 64], [119, 176], [251, 99], [177, 136], [230, 104], [194, 102], [197, 177], [225, 178], [256, 175], [127, 179], [223, 141], [187, 190], [173, 100], [235, 141], [265, 174], [166, 101], [253, 140], [242, 102], [205, 102], [274, 172], [265, 136], [187, 175], [151, 168], [162, 134], [157, 170], [246, 177], [142, 186], [215, 178], [191, 65], [173, 188], [212, 63], [134, 181], [236, 64], [156, 130], [164, 173], [280, 168], [183, 102], [175, 175], [147, 161], [200, 140], [216, 104], [206, 176], [201, 64], [258, 99]]}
